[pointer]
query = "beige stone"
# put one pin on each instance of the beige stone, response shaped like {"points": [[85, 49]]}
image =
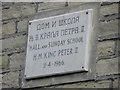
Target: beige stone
{"points": [[108, 28], [0, 61], [74, 3], [106, 48], [0, 77], [87, 84], [107, 67], [8, 28], [17, 61], [109, 9], [4, 62], [11, 43], [16, 11], [11, 79], [50, 6], [92, 84], [22, 25], [116, 83]]}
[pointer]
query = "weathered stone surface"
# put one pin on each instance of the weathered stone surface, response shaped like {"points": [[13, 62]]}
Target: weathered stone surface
{"points": [[0, 85], [0, 77], [108, 28], [5, 85], [109, 9], [88, 84], [100, 84], [17, 61], [116, 83], [0, 81], [106, 48], [74, 3], [11, 43], [50, 13], [6, 4], [4, 62], [11, 79], [0, 62], [22, 25], [16, 11], [107, 67], [8, 28], [50, 6], [85, 0]]}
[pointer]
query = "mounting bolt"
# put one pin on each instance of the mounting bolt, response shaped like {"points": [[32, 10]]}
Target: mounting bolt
{"points": [[29, 23], [86, 12], [82, 67], [66, 4], [25, 75]]}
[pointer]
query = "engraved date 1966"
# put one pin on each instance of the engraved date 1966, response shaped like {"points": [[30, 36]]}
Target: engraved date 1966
{"points": [[53, 64]]}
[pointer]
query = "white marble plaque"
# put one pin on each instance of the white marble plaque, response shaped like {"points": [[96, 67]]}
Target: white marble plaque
{"points": [[58, 44]]}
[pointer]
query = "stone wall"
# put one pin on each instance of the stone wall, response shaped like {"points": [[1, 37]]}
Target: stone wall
{"points": [[15, 17]]}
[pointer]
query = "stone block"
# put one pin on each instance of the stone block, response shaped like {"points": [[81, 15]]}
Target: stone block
{"points": [[12, 43], [5, 85], [0, 62], [107, 67], [17, 61], [87, 84], [116, 83], [22, 25], [48, 13], [11, 79], [109, 9], [8, 28], [0, 77], [19, 10], [107, 28], [93, 84], [74, 3], [4, 62], [50, 6], [106, 48]]}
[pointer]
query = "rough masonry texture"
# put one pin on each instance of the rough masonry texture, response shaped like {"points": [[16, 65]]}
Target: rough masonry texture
{"points": [[15, 17]]}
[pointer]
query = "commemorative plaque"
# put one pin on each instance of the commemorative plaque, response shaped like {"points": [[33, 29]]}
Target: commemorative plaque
{"points": [[58, 44]]}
